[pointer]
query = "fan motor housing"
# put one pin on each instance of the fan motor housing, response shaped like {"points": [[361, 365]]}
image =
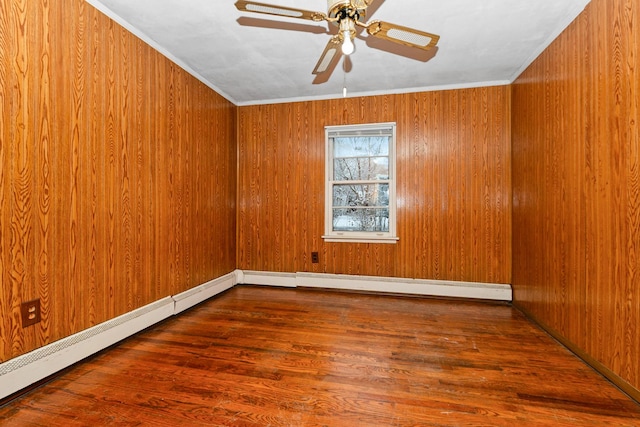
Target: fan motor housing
{"points": [[336, 7]]}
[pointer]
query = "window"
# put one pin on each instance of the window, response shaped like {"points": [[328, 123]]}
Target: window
{"points": [[360, 183]]}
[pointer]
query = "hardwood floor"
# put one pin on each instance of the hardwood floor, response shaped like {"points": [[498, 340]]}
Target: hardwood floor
{"points": [[293, 357]]}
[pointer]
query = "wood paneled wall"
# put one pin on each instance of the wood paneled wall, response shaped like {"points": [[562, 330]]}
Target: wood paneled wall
{"points": [[453, 189], [576, 185], [117, 173]]}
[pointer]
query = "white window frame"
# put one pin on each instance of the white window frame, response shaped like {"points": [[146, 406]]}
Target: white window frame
{"points": [[359, 236]]}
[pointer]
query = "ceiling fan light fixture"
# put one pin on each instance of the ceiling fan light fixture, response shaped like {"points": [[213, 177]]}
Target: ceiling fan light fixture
{"points": [[347, 44], [348, 31]]}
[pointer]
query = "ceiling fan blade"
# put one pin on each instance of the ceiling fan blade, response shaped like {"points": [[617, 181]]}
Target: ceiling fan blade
{"points": [[331, 52], [281, 25], [402, 35], [269, 9]]}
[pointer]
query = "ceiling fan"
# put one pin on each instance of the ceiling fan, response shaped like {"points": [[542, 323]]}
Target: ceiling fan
{"points": [[346, 14]]}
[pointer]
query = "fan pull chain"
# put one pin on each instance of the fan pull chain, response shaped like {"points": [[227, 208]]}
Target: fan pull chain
{"points": [[344, 80]]}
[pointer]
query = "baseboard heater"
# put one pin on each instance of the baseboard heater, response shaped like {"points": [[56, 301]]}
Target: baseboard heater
{"points": [[23, 371], [30, 368], [394, 285]]}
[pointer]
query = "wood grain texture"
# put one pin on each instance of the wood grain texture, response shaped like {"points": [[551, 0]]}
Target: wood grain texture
{"points": [[6, 79], [117, 173], [453, 186], [291, 357], [576, 185]]}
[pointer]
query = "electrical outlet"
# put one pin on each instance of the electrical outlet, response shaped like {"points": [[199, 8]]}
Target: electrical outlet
{"points": [[315, 258], [30, 312]]}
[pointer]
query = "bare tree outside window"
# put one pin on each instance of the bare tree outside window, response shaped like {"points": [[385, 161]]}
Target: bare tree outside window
{"points": [[360, 180]]}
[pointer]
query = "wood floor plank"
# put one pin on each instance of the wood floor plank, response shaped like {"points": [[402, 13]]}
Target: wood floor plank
{"points": [[258, 356]]}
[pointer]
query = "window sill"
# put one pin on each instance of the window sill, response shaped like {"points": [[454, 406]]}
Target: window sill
{"points": [[360, 239]]}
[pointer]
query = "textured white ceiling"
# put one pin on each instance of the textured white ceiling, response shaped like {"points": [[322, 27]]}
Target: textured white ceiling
{"points": [[253, 58]]}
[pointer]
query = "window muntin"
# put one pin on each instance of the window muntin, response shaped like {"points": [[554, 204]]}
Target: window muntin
{"points": [[360, 185]]}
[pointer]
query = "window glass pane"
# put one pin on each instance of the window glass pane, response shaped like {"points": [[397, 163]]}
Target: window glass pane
{"points": [[367, 219], [361, 169], [360, 195], [360, 183], [368, 146]]}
